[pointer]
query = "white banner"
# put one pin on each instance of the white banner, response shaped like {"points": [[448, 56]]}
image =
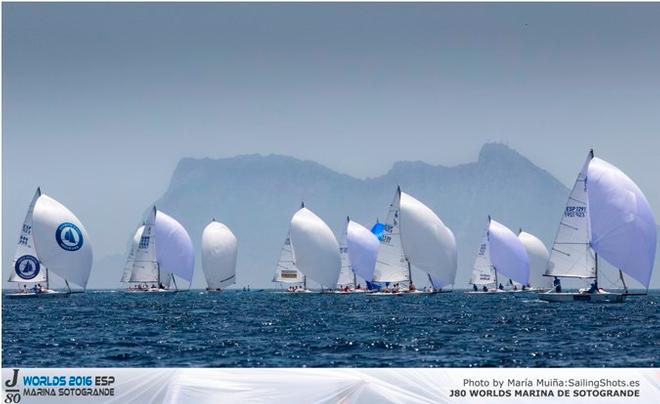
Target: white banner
{"points": [[144, 386]]}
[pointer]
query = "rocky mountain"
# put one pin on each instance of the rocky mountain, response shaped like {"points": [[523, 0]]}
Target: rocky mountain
{"points": [[256, 195]]}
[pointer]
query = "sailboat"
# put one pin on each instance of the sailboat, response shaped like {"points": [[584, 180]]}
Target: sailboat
{"points": [[52, 239], [358, 249], [414, 237], [286, 271], [164, 249], [538, 260], [219, 251], [316, 248], [501, 253], [606, 217]]}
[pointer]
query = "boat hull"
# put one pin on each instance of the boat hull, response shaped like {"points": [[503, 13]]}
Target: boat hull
{"points": [[603, 297], [32, 295], [151, 291]]}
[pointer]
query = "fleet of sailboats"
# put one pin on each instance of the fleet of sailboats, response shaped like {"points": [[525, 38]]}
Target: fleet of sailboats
{"points": [[607, 218], [52, 241]]}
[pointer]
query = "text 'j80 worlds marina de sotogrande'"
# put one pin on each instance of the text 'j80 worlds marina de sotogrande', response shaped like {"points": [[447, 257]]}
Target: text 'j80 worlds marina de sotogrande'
{"points": [[607, 225]]}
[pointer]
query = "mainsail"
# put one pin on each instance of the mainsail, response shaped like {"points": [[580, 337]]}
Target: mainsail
{"points": [[26, 265], [623, 229], [483, 272], [362, 247], [317, 250], [286, 270], [391, 264], [538, 260], [130, 260], [61, 241], [427, 243], [145, 265], [346, 275], [571, 254], [219, 251]]}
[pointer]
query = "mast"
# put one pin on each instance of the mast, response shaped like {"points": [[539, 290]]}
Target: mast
{"points": [[596, 267], [409, 272], [625, 287], [67, 285], [174, 281], [47, 287], [305, 282]]}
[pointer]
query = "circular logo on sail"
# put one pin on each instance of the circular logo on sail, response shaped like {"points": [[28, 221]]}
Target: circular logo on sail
{"points": [[69, 236], [27, 267]]}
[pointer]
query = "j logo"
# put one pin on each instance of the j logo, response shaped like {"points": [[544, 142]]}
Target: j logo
{"points": [[12, 382]]}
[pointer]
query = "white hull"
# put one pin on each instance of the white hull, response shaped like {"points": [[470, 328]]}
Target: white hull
{"points": [[600, 297], [341, 292], [403, 293], [47, 294], [154, 290]]}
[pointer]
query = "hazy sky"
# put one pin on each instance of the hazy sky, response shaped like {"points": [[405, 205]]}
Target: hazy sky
{"points": [[100, 101]]}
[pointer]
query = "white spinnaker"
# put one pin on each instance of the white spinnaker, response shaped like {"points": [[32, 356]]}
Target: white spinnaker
{"points": [[507, 253], [174, 248], [482, 271], [362, 247], [346, 275], [130, 260], [317, 250], [623, 229], [286, 270], [391, 264], [219, 251], [145, 266], [428, 244], [61, 241], [29, 270], [571, 254], [538, 260]]}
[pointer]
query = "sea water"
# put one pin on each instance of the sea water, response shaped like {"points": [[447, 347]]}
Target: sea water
{"points": [[268, 328]]}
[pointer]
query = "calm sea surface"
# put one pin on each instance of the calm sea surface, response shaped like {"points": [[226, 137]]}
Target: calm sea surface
{"points": [[195, 328]]}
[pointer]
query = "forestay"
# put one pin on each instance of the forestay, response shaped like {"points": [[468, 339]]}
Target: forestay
{"points": [[316, 248], [623, 229], [61, 241], [219, 251]]}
